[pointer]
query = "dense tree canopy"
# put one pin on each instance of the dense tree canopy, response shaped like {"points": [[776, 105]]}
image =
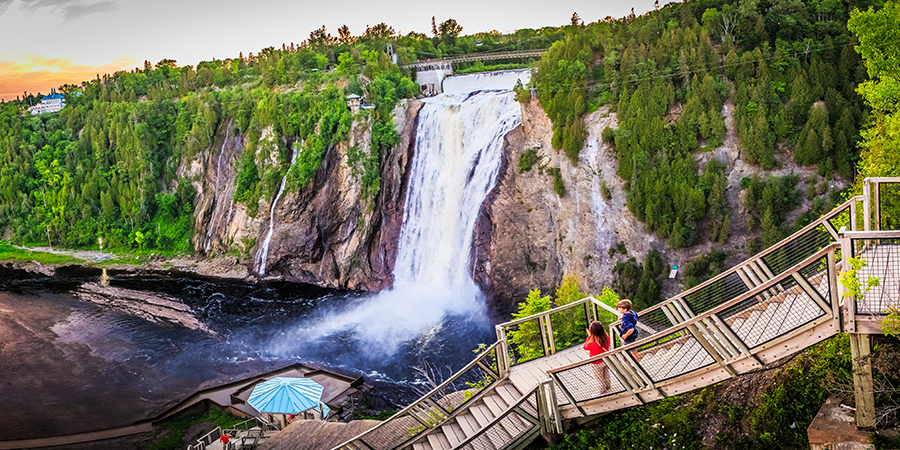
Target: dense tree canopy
{"points": [[788, 68]]}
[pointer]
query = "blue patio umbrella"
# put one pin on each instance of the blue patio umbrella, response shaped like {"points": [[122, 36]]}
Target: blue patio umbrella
{"points": [[282, 395]]}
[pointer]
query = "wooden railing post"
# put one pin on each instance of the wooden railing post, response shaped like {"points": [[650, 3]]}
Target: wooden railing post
{"points": [[867, 208], [835, 297], [860, 349], [850, 305], [543, 326], [503, 349]]}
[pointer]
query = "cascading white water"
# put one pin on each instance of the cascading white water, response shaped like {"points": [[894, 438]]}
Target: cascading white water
{"points": [[457, 157], [263, 253]]}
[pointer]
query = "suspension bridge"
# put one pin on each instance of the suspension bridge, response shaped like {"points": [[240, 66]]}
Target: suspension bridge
{"points": [[441, 63], [769, 306]]}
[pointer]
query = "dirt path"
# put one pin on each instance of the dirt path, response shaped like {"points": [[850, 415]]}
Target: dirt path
{"points": [[85, 255]]}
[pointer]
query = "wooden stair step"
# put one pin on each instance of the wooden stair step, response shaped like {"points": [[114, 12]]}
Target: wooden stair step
{"points": [[482, 414], [422, 446], [495, 403], [439, 441], [509, 393], [453, 433], [468, 424]]}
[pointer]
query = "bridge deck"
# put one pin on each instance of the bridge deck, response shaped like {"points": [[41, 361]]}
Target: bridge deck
{"points": [[527, 375]]}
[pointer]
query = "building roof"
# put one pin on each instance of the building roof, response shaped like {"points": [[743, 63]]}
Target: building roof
{"points": [[352, 96]]}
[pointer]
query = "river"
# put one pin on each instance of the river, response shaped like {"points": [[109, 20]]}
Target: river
{"points": [[70, 365]]}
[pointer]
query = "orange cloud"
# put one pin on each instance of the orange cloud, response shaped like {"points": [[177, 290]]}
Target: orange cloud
{"points": [[35, 73]]}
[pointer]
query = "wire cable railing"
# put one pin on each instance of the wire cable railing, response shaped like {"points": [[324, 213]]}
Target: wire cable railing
{"points": [[715, 337]]}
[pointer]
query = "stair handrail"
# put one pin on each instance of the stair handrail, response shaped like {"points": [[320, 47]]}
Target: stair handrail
{"points": [[510, 410], [706, 315], [423, 398], [683, 325], [812, 225], [209, 438]]}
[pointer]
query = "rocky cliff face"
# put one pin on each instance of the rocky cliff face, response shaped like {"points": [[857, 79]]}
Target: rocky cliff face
{"points": [[528, 237], [325, 234]]}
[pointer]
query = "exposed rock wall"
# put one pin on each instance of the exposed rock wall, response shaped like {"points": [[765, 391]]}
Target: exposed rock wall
{"points": [[528, 237], [325, 234]]}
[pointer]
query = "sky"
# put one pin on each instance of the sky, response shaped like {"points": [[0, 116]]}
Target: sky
{"points": [[47, 43]]}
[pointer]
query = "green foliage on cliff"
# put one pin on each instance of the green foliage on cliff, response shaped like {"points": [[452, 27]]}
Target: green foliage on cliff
{"points": [[638, 282], [879, 46], [789, 70], [768, 201], [116, 163], [561, 82]]}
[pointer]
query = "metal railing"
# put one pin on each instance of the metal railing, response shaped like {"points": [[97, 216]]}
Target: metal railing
{"points": [[430, 411], [559, 328], [720, 336]]}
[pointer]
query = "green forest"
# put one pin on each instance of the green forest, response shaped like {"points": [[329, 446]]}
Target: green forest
{"points": [[110, 165], [788, 67]]}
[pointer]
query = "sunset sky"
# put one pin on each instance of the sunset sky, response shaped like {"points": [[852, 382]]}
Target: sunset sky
{"points": [[47, 43]]}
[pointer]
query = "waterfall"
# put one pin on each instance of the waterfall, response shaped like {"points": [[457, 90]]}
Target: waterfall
{"points": [[263, 254], [457, 157]]}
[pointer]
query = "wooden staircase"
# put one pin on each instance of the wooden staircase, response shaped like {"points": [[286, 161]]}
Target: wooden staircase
{"points": [[474, 418], [772, 305]]}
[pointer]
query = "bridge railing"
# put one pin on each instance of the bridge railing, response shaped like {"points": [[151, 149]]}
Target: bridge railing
{"points": [[430, 411], [731, 331], [754, 271], [880, 251], [477, 57], [548, 332]]}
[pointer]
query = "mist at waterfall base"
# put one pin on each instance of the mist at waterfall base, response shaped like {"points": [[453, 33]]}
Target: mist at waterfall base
{"points": [[457, 156]]}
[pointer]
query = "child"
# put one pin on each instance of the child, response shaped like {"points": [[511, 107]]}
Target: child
{"points": [[628, 329], [598, 342]]}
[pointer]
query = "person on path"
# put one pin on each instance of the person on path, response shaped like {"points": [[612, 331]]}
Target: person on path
{"points": [[628, 328], [598, 342]]}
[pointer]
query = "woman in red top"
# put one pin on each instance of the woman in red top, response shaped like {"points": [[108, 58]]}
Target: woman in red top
{"points": [[598, 342]]}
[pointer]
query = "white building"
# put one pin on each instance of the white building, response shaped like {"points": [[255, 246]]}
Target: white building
{"points": [[51, 103]]}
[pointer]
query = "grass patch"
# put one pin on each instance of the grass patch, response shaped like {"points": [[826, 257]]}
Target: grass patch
{"points": [[528, 159], [12, 253], [170, 434]]}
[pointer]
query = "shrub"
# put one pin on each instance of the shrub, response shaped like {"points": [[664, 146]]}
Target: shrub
{"points": [[527, 160]]}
